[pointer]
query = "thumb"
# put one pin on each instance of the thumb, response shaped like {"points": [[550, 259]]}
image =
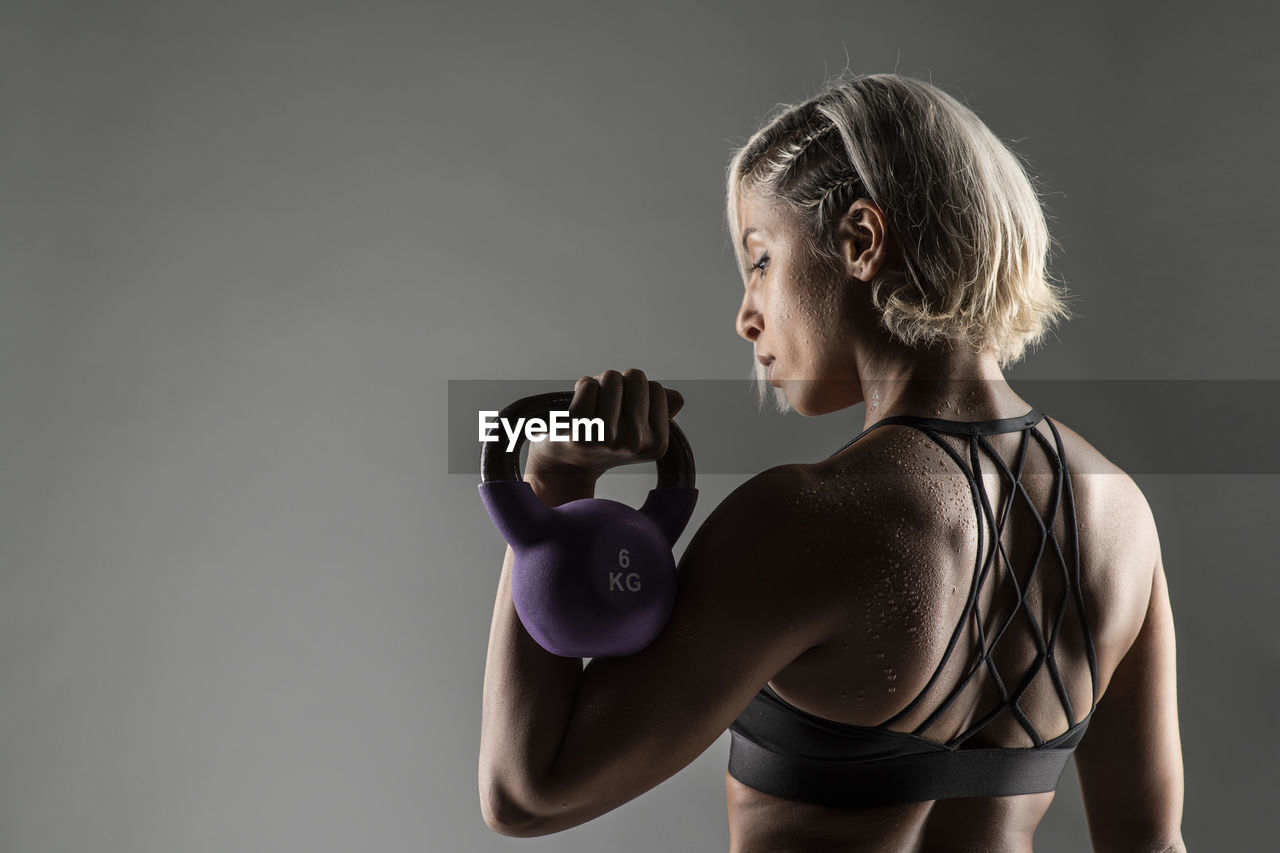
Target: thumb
{"points": [[675, 402]]}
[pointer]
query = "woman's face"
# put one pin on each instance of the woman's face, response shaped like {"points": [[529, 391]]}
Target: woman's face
{"points": [[796, 312]]}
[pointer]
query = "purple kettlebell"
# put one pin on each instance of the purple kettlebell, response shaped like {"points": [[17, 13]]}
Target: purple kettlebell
{"points": [[592, 577]]}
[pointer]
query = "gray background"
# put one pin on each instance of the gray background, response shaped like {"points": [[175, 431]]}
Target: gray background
{"points": [[244, 605]]}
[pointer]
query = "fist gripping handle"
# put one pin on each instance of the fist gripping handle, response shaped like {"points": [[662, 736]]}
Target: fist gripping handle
{"points": [[675, 468], [592, 577]]}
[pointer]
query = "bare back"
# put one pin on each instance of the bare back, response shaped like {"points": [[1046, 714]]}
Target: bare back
{"points": [[905, 565]]}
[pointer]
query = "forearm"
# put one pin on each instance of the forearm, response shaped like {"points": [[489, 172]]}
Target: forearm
{"points": [[528, 693]]}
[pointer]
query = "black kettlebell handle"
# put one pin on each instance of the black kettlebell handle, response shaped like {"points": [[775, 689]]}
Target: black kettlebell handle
{"points": [[675, 468]]}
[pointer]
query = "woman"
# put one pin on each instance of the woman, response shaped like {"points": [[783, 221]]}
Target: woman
{"points": [[910, 638]]}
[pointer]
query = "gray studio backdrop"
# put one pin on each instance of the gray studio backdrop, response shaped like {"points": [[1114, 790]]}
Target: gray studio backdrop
{"points": [[246, 246]]}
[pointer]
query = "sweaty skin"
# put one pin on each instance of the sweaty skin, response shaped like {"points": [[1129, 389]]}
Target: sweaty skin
{"points": [[844, 678], [836, 583]]}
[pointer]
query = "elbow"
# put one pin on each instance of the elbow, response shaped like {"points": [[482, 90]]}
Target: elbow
{"points": [[510, 821], [519, 806], [1163, 843], [507, 814], [1161, 837]]}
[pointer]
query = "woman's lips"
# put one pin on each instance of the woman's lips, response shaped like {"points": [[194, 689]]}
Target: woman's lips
{"points": [[767, 362]]}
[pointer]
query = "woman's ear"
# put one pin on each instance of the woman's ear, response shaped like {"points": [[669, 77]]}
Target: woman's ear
{"points": [[864, 242]]}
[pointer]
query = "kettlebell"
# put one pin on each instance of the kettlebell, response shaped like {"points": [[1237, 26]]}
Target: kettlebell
{"points": [[592, 577]]}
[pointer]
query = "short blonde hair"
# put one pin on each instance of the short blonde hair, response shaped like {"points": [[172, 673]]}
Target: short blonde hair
{"points": [[959, 202]]}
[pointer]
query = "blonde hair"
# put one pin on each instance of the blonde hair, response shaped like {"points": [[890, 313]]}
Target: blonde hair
{"points": [[961, 205]]}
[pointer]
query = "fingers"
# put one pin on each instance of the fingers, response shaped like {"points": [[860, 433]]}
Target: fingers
{"points": [[634, 433], [636, 410], [675, 401], [586, 396], [609, 406], [658, 418]]}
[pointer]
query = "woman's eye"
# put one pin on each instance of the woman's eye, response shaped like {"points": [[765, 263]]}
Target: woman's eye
{"points": [[760, 264]]}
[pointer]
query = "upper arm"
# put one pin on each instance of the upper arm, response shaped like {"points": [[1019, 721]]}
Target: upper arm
{"points": [[1130, 761], [744, 609]]}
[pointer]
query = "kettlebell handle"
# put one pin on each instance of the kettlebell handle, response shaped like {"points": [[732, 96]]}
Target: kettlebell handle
{"points": [[675, 468]]}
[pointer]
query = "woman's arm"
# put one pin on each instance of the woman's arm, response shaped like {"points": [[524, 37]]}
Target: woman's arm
{"points": [[562, 744], [1130, 761], [528, 693]]}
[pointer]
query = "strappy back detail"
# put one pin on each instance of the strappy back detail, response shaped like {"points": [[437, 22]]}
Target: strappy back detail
{"points": [[780, 749]]}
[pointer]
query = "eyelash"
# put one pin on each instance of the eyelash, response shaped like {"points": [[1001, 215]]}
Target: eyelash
{"points": [[760, 264]]}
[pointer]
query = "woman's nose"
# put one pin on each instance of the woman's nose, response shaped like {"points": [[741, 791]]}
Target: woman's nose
{"points": [[747, 322]]}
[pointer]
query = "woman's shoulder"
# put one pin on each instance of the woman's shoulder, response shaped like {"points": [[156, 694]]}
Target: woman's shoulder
{"points": [[900, 473], [888, 458], [811, 510], [1105, 493]]}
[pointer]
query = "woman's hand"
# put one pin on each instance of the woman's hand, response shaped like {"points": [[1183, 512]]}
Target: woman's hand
{"points": [[635, 411]]}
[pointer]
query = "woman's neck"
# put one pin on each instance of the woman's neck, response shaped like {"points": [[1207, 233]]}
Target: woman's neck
{"points": [[943, 382]]}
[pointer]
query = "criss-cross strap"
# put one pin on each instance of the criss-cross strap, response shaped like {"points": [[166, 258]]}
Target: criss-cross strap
{"points": [[988, 557], [787, 752]]}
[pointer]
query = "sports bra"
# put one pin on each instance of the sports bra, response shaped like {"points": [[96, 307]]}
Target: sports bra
{"points": [[782, 750]]}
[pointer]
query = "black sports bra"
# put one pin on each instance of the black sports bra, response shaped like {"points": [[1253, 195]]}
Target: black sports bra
{"points": [[782, 750]]}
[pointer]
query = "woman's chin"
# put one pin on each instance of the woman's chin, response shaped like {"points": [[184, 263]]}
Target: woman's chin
{"points": [[819, 397]]}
